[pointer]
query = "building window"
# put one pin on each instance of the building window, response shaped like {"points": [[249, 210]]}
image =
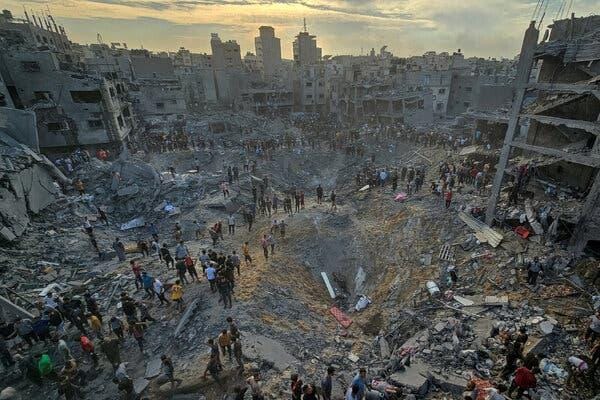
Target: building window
{"points": [[42, 95], [308, 84], [421, 104], [55, 126], [466, 104], [439, 106], [95, 124], [441, 91], [321, 96], [86, 96], [160, 106], [469, 89], [320, 84], [172, 101], [309, 96], [30, 66]]}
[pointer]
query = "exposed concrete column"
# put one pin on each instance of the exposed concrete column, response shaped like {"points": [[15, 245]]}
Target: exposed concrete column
{"points": [[523, 72]]}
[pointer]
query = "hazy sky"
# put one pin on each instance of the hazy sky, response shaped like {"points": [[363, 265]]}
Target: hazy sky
{"points": [[409, 27]]}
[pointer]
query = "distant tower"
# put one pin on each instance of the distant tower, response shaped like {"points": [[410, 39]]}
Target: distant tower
{"points": [[305, 30]]}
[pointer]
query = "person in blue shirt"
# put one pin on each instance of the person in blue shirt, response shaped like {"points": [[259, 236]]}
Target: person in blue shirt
{"points": [[360, 380], [147, 282]]}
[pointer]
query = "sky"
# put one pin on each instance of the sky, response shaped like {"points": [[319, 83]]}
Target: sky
{"points": [[483, 28]]}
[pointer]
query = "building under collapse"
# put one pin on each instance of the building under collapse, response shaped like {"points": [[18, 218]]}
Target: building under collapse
{"points": [[42, 72], [554, 124]]}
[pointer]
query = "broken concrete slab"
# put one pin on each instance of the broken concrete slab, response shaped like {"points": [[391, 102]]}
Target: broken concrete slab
{"points": [[140, 384], [153, 368], [258, 347], [189, 311], [546, 327], [415, 378]]}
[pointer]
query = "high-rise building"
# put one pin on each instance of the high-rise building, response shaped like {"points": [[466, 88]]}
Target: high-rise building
{"points": [[306, 51], [268, 51], [225, 54]]}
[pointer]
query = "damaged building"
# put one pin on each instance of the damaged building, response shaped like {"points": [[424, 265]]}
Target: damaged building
{"points": [[554, 123]]}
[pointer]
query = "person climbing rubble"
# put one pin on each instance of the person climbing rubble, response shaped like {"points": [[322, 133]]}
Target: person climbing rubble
{"points": [[533, 270]]}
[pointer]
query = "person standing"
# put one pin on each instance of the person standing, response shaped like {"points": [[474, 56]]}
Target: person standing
{"points": [[119, 248], [137, 331], [327, 384], [110, 347], [296, 387], [231, 224], [237, 353], [137, 274], [332, 197], [319, 194], [448, 198], [533, 270], [148, 282], [211, 275]]}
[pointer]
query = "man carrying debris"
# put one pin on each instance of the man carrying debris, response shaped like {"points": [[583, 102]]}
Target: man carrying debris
{"points": [[533, 270]]}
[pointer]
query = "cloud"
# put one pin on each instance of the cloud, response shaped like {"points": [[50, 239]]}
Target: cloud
{"points": [[408, 27], [153, 5]]}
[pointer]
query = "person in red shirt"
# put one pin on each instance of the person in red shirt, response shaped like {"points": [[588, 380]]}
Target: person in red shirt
{"points": [[524, 379], [88, 348], [190, 265], [137, 272], [448, 198]]}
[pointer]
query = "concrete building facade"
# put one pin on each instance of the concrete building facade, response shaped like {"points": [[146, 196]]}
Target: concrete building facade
{"points": [[268, 52]]}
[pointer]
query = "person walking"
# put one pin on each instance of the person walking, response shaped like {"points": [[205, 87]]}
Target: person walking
{"points": [[177, 295], [166, 256], [190, 265], [181, 271], [238, 354], [264, 242], [246, 253], [167, 372], [159, 289], [231, 224], [224, 341]]}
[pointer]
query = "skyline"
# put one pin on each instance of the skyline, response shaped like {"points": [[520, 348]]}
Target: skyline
{"points": [[407, 27]]}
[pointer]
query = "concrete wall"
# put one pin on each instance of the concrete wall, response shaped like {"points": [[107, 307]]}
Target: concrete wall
{"points": [[152, 68], [160, 99], [492, 97], [20, 125]]}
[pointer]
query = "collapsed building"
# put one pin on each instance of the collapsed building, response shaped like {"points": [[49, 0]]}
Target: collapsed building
{"points": [[554, 123]]}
